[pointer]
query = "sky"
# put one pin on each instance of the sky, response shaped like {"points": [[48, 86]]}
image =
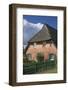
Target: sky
{"points": [[51, 20], [33, 24]]}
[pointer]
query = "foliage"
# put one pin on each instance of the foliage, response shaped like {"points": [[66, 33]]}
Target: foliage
{"points": [[40, 57], [35, 67], [25, 59], [29, 68], [32, 67]]}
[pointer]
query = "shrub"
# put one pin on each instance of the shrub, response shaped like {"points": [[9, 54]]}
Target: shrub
{"points": [[40, 57], [25, 59], [29, 68]]}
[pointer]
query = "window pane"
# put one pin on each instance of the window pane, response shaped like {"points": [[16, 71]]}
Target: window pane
{"points": [[29, 56], [52, 57]]}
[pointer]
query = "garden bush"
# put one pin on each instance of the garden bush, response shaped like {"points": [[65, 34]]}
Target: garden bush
{"points": [[33, 67], [40, 57], [29, 68]]}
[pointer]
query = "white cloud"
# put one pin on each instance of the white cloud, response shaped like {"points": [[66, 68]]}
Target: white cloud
{"points": [[30, 29], [25, 22], [37, 26]]}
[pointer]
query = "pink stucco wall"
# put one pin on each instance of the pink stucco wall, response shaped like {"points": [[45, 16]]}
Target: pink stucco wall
{"points": [[46, 50]]}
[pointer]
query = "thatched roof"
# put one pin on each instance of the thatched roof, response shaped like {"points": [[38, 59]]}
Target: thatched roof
{"points": [[46, 33]]}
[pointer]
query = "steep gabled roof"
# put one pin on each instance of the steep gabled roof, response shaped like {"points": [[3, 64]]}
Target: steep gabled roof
{"points": [[41, 36], [46, 33], [53, 34]]}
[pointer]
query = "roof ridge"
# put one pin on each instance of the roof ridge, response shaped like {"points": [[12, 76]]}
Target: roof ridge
{"points": [[35, 35], [43, 34]]}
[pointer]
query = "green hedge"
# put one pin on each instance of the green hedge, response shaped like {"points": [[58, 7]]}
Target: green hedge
{"points": [[29, 68], [34, 67], [40, 57]]}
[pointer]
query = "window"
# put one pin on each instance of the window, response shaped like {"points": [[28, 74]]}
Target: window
{"points": [[52, 57], [34, 45], [51, 42], [29, 56], [44, 43]]}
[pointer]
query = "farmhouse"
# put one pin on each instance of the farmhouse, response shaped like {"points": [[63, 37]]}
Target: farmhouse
{"points": [[44, 42]]}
